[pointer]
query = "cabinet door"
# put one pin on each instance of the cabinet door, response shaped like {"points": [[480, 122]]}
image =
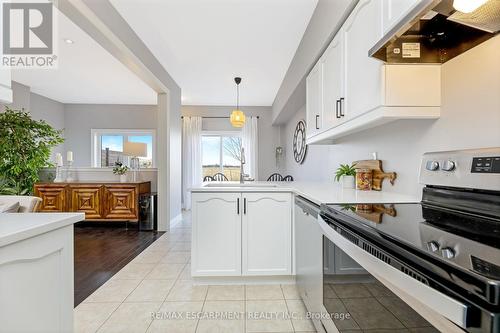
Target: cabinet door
{"points": [[86, 199], [266, 234], [120, 202], [216, 236], [36, 277], [333, 71], [314, 100], [363, 74], [393, 11], [53, 198]]}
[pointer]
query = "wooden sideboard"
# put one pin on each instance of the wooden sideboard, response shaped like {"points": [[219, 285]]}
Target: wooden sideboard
{"points": [[100, 201]]}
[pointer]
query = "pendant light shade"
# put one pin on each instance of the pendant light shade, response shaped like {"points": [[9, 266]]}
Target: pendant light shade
{"points": [[237, 117]]}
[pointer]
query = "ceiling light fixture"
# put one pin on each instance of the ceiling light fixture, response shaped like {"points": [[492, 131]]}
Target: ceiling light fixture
{"points": [[69, 41], [468, 6], [237, 118]]}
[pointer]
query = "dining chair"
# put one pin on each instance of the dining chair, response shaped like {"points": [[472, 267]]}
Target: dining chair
{"points": [[220, 177], [275, 177]]}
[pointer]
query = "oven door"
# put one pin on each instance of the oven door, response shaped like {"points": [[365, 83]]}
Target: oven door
{"points": [[356, 299]]}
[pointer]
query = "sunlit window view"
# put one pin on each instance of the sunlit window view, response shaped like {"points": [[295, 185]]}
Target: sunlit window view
{"points": [[221, 154], [112, 149]]}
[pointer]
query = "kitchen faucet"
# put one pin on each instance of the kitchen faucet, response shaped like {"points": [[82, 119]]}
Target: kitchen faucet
{"points": [[242, 174]]}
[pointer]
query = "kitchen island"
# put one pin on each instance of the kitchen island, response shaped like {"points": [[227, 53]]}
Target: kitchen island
{"points": [[36, 271], [245, 232]]}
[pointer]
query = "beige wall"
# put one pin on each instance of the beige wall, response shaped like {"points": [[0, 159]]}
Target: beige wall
{"points": [[470, 118]]}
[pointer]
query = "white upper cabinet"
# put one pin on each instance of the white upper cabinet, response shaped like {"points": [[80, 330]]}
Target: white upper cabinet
{"points": [[394, 10], [362, 75], [266, 234], [333, 90], [357, 91], [314, 100]]}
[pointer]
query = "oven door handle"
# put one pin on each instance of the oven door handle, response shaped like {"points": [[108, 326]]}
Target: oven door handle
{"points": [[448, 307]]}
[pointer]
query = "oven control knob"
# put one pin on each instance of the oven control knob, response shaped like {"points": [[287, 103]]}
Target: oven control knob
{"points": [[448, 253], [432, 165], [433, 246], [448, 166]]}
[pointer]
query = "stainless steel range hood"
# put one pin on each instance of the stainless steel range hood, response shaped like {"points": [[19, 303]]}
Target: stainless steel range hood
{"points": [[434, 32]]}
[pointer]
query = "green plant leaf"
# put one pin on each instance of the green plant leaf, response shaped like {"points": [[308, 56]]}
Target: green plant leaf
{"points": [[25, 147], [345, 170]]}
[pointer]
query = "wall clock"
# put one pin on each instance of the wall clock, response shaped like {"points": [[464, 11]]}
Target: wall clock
{"points": [[299, 142]]}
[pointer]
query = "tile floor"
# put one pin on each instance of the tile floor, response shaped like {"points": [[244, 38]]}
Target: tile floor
{"points": [[155, 293]]}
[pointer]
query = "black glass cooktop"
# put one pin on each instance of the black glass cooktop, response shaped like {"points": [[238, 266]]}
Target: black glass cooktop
{"points": [[404, 221], [467, 241]]}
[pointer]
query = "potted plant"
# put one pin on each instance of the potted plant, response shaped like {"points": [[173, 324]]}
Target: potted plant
{"points": [[25, 147], [121, 170], [346, 173]]}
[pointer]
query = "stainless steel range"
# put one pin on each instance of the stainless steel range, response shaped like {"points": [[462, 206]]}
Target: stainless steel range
{"points": [[442, 253]]}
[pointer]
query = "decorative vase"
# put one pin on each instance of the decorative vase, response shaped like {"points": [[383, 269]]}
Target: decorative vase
{"points": [[123, 178], [348, 182]]}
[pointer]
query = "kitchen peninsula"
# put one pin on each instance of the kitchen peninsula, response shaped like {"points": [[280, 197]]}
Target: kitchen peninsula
{"points": [[246, 231], [36, 271]]}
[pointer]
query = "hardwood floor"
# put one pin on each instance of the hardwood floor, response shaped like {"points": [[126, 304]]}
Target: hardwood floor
{"points": [[101, 251]]}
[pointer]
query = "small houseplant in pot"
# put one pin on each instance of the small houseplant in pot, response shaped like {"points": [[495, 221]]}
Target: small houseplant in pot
{"points": [[121, 170], [346, 174]]}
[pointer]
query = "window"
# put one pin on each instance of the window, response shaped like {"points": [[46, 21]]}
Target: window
{"points": [[107, 147], [221, 153]]}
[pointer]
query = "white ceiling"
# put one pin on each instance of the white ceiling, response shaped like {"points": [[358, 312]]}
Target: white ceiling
{"points": [[87, 73], [203, 44]]}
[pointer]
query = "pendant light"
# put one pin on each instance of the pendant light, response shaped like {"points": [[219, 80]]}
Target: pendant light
{"points": [[237, 118]]}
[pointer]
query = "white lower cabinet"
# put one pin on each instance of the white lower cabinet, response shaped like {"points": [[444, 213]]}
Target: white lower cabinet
{"points": [[266, 234], [216, 237], [241, 234], [36, 283]]}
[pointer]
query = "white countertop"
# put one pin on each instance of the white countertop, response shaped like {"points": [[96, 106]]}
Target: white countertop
{"points": [[15, 227], [317, 192]]}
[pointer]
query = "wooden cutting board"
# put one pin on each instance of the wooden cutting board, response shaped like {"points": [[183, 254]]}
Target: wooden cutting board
{"points": [[375, 213], [378, 173]]}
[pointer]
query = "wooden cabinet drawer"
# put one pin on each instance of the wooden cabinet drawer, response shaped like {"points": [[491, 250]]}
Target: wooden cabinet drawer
{"points": [[120, 202], [53, 197], [86, 199]]}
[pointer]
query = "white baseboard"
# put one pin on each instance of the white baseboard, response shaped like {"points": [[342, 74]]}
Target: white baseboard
{"points": [[238, 280], [176, 220]]}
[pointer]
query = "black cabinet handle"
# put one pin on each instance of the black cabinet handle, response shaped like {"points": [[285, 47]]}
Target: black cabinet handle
{"points": [[317, 117], [342, 106], [245, 206], [238, 206], [337, 102]]}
